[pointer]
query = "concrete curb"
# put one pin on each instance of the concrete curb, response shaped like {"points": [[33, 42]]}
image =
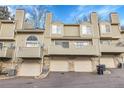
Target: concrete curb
{"points": [[5, 78]]}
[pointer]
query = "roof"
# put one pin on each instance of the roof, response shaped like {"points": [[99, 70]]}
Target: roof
{"points": [[7, 21], [31, 31], [71, 24]]}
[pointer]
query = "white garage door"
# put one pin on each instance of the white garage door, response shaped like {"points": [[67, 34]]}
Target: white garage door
{"points": [[29, 68], [82, 65], [59, 64], [108, 61]]}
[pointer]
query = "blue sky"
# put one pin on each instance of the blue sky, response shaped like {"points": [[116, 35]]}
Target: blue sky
{"points": [[67, 13]]}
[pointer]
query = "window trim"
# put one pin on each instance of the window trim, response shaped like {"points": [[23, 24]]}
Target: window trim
{"points": [[2, 43], [86, 28], [35, 42], [105, 25], [76, 43], [108, 43], [58, 29], [62, 41]]}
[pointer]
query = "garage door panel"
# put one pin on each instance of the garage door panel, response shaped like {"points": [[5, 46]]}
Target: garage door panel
{"points": [[79, 64], [58, 66], [28, 68], [108, 61], [83, 65]]}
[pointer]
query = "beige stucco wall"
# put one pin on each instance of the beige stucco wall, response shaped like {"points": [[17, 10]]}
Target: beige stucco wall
{"points": [[116, 31], [22, 37], [94, 22], [71, 30], [19, 17], [114, 18], [7, 30]]}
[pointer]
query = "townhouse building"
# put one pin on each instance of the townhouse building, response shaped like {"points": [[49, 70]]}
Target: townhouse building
{"points": [[60, 47]]}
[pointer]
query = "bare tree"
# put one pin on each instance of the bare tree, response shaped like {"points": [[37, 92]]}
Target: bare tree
{"points": [[4, 13], [79, 20], [39, 13]]}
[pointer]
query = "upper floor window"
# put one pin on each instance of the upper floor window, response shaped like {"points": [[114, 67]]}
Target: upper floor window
{"points": [[1, 46], [81, 44], [63, 44], [56, 29], [32, 41], [86, 29], [105, 28], [105, 42]]}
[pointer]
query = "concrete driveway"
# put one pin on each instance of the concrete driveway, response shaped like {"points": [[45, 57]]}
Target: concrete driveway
{"points": [[69, 80]]}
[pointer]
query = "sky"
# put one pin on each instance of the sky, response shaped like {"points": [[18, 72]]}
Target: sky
{"points": [[68, 13]]}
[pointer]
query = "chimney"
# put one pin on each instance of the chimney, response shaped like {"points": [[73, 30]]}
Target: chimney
{"points": [[114, 18], [94, 22], [20, 16], [48, 23], [94, 18]]}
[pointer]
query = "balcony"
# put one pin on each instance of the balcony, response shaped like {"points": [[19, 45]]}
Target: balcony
{"points": [[6, 53], [111, 49], [87, 50], [110, 35], [29, 52], [106, 35]]}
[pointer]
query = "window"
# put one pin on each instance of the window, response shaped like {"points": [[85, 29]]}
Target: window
{"points": [[32, 41], [105, 42], [63, 44], [86, 29], [32, 38], [1, 46], [81, 44], [11, 45], [105, 28], [56, 29]]}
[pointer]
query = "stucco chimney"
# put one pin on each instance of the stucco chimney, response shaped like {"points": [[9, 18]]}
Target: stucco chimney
{"points": [[94, 18], [114, 18], [20, 16], [48, 23], [94, 22]]}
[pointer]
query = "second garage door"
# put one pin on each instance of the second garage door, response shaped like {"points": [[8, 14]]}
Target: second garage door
{"points": [[82, 65], [108, 61], [59, 64]]}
